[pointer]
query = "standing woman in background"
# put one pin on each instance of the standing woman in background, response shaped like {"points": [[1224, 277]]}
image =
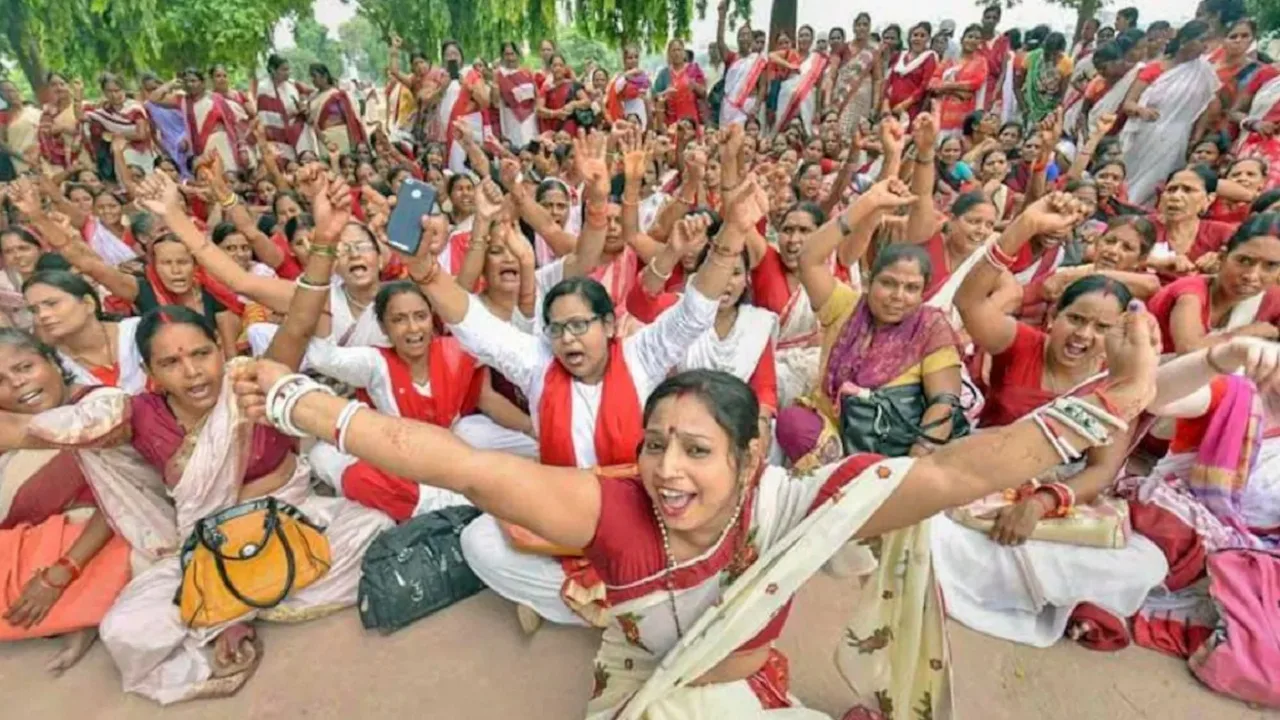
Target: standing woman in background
{"points": [[515, 92], [60, 122], [958, 82], [282, 105], [855, 90], [910, 70], [680, 86]]}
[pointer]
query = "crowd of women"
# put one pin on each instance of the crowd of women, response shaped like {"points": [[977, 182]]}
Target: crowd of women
{"points": [[686, 341]]}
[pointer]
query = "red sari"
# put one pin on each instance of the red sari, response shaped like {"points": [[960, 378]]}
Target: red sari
{"points": [[908, 80], [1162, 304], [972, 74], [555, 98]]}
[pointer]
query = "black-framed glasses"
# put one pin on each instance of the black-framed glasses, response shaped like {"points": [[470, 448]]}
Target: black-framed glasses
{"points": [[576, 327]]}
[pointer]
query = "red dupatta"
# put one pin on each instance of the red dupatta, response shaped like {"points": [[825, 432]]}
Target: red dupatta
{"points": [[220, 113], [618, 428], [507, 84], [455, 384]]}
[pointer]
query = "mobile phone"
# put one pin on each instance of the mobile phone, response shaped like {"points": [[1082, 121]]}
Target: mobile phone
{"points": [[454, 69], [415, 201]]}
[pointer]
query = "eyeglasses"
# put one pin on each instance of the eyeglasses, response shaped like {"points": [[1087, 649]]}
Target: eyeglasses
{"points": [[356, 248], [577, 327]]}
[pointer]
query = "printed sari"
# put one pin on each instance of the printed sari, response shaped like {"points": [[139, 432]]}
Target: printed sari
{"points": [[1181, 94], [1042, 88], [737, 596], [155, 508], [44, 506], [851, 90]]}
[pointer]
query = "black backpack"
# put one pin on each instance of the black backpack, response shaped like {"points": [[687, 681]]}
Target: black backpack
{"points": [[416, 569]]}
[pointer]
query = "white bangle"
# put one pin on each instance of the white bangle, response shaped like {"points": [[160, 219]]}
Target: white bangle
{"points": [[304, 285], [344, 419], [274, 396], [283, 397]]}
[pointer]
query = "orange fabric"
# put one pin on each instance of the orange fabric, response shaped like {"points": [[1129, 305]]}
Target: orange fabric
{"points": [[618, 430], [28, 548]]}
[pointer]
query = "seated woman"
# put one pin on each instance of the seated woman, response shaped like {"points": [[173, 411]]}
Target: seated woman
{"points": [[1031, 367], [692, 613], [1246, 179], [884, 340], [1185, 242], [1119, 254], [191, 467], [993, 169], [93, 349], [20, 251], [584, 387], [1217, 489], [60, 563], [1109, 175], [1202, 310]]}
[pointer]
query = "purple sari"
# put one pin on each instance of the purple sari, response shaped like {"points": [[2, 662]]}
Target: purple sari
{"points": [[171, 129]]}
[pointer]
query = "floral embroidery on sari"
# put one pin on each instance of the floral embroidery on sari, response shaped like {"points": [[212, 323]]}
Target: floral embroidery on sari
{"points": [[630, 624]]}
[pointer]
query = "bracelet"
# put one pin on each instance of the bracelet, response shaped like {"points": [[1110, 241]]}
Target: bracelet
{"points": [[344, 420], [1005, 258], [1053, 438], [653, 268], [70, 566], [229, 201], [1213, 364], [1105, 399], [326, 250], [920, 159], [304, 284], [43, 575], [994, 259], [284, 395]]}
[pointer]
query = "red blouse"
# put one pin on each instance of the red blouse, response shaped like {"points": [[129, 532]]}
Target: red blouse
{"points": [[1016, 375]]}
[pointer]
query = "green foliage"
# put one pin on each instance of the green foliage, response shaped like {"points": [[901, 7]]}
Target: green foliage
{"points": [[648, 23], [312, 44], [84, 37], [363, 48], [480, 26], [578, 50], [1267, 13]]}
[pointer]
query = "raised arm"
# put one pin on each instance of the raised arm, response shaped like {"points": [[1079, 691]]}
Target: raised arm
{"points": [[559, 504], [589, 154], [235, 211], [332, 207], [393, 64], [922, 221], [561, 242], [861, 219]]}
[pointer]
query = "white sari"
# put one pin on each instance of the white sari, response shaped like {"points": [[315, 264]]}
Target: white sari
{"points": [[793, 545], [740, 82], [1109, 103], [797, 97], [131, 377], [1153, 150]]}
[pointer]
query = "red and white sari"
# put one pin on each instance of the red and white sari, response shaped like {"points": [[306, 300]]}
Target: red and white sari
{"points": [[625, 97], [129, 121], [211, 124], [741, 81], [1266, 106], [519, 92], [283, 109], [459, 104], [334, 118], [796, 96]]}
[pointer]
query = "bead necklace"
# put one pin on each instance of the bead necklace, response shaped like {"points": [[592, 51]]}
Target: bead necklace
{"points": [[671, 557]]}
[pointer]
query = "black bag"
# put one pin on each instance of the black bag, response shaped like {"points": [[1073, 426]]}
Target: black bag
{"points": [[887, 421], [415, 569]]}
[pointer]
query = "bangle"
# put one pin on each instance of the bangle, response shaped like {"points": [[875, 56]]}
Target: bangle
{"points": [[344, 420], [305, 284], [921, 159], [284, 395], [653, 268], [1213, 364], [325, 250], [44, 578], [70, 566], [229, 201]]}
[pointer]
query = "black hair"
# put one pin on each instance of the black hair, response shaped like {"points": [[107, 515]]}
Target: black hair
{"points": [[450, 43], [274, 62], [1095, 284], [266, 223], [967, 201], [141, 224], [925, 24], [1262, 163], [1130, 14], [713, 228], [1159, 26], [1145, 228], [972, 28], [23, 340], [898, 252], [972, 121], [53, 261], [811, 209], [1108, 53], [73, 186], [453, 180], [22, 234], [1263, 202], [1055, 42], [107, 78], [1015, 38], [745, 256], [800, 171], [547, 186], [730, 401], [995, 6], [69, 283], [1208, 176], [1260, 225], [280, 195], [1219, 140], [192, 70], [389, 291], [1012, 124], [322, 70], [303, 221], [1191, 31], [596, 297], [222, 231], [169, 315], [982, 159]]}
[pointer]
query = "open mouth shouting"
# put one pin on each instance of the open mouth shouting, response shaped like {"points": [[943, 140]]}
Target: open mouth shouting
{"points": [[673, 503], [1075, 349], [32, 399]]}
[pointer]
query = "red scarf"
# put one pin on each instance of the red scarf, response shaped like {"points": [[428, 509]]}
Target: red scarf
{"points": [[618, 430], [507, 84], [455, 384]]}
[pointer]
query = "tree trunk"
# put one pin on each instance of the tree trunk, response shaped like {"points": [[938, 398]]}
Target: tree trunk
{"points": [[26, 49], [782, 17]]}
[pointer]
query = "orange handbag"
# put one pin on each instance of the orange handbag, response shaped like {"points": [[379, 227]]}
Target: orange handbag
{"points": [[248, 557]]}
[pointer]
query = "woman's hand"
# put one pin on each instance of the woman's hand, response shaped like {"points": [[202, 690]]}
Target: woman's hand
{"points": [[1053, 214], [509, 173], [887, 195], [689, 234], [1133, 353], [37, 598], [1208, 263], [925, 133], [159, 195], [1106, 122], [332, 209], [1259, 358], [892, 137], [488, 200], [1015, 523], [519, 246], [250, 380], [635, 154], [589, 154], [23, 195], [745, 205]]}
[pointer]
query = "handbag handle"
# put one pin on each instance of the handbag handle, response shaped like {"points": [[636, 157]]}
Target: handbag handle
{"points": [[272, 524]]}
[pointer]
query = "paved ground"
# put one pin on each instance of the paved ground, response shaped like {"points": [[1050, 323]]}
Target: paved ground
{"points": [[471, 662]]}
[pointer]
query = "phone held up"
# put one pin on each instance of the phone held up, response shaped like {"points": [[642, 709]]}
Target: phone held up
{"points": [[415, 201]]}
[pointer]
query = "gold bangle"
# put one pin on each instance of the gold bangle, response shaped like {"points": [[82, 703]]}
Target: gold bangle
{"points": [[325, 250], [229, 201]]}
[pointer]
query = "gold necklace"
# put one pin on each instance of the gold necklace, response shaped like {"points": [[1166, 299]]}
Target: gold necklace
{"points": [[111, 354]]}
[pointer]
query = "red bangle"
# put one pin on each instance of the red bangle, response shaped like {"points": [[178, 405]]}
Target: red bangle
{"points": [[1001, 256], [1107, 403], [70, 566]]}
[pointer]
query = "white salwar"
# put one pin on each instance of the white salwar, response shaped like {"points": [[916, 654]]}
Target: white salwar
{"points": [[651, 353], [793, 544], [1153, 150]]}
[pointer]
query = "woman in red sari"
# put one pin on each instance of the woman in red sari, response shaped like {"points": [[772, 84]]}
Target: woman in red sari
{"points": [[957, 83], [561, 96], [1185, 241], [679, 87], [60, 122], [909, 74], [1201, 311], [1236, 70], [60, 563], [1030, 367], [516, 97]]}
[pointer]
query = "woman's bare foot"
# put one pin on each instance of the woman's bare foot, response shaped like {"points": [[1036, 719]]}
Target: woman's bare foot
{"points": [[74, 646], [236, 650]]}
